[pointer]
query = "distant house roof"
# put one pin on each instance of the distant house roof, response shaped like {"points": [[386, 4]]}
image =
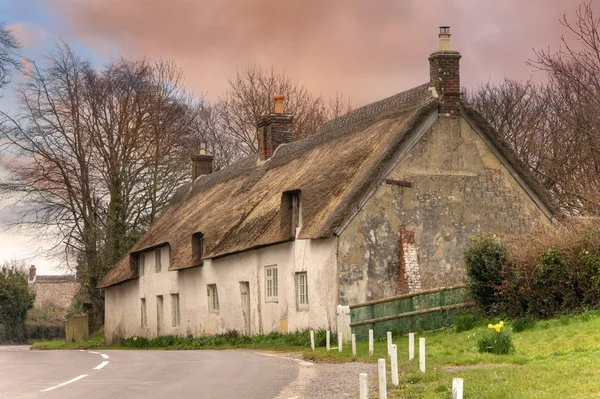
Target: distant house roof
{"points": [[238, 207], [54, 279]]}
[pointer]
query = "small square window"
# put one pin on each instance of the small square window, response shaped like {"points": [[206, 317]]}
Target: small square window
{"points": [[213, 298], [175, 314], [302, 290], [271, 284]]}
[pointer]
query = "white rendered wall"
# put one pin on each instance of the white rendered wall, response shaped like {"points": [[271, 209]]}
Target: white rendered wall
{"points": [[315, 257]]}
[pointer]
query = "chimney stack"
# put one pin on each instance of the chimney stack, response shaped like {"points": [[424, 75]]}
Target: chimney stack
{"points": [[445, 74], [202, 164], [32, 273], [274, 129]]}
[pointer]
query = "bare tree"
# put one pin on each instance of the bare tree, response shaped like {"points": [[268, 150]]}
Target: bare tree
{"points": [[555, 126], [9, 58], [98, 154], [250, 96]]}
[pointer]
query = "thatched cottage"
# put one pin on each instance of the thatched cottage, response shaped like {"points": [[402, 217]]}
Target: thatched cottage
{"points": [[378, 202]]}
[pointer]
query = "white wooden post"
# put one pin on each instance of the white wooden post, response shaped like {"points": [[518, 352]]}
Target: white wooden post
{"points": [[411, 347], [364, 386], [353, 344], [457, 388], [343, 322], [389, 343], [312, 340], [327, 340], [340, 340], [422, 354], [382, 379], [394, 365], [370, 342]]}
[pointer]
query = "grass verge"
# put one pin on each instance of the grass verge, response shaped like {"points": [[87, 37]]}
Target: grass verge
{"points": [[555, 358]]}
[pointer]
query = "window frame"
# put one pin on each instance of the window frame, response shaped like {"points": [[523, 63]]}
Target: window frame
{"points": [[212, 293], [144, 313], [301, 292], [271, 284], [158, 260], [175, 311]]}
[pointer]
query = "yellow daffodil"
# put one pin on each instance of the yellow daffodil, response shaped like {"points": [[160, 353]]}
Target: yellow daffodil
{"points": [[496, 327]]}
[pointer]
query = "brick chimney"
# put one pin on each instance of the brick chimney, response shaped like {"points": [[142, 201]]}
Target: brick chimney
{"points": [[31, 273], [445, 74], [202, 164], [274, 129]]}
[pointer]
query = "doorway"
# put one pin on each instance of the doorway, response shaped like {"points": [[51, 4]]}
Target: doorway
{"points": [[245, 298]]}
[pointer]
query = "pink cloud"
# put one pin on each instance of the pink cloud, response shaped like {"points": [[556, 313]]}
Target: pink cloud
{"points": [[365, 49]]}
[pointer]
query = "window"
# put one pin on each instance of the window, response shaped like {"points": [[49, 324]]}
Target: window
{"points": [[144, 313], [197, 249], [141, 264], [157, 260], [301, 290], [271, 283], [175, 315], [213, 298]]}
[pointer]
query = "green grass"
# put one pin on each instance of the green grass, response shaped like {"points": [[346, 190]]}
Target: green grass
{"points": [[95, 341], [555, 358]]}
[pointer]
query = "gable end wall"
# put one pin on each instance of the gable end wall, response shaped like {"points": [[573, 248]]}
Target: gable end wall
{"points": [[459, 188]]}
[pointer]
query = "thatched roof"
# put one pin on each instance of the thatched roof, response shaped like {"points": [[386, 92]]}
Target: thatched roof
{"points": [[59, 279], [239, 207]]}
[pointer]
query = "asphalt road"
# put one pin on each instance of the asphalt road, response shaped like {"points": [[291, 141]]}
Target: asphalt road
{"points": [[142, 374]]}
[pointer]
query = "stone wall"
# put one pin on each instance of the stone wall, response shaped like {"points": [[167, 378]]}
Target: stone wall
{"points": [[459, 188]]}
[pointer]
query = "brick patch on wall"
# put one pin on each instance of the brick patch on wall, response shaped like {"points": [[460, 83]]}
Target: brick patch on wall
{"points": [[409, 263]]}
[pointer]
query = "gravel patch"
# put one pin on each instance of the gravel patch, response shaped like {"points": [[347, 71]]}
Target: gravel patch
{"points": [[319, 380]]}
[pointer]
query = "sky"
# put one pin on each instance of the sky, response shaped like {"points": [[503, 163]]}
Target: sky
{"points": [[364, 49]]}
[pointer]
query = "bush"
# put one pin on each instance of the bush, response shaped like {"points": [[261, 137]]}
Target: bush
{"points": [[464, 322], [497, 341], [523, 323], [484, 259], [552, 271]]}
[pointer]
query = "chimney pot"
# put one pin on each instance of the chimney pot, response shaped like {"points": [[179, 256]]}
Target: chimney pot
{"points": [[32, 273], [278, 104]]}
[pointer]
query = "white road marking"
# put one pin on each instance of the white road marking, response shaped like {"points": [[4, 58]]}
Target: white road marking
{"points": [[65, 383], [98, 367], [104, 356], [95, 353]]}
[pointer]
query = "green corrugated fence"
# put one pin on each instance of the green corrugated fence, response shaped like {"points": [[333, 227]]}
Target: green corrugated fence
{"points": [[425, 310]]}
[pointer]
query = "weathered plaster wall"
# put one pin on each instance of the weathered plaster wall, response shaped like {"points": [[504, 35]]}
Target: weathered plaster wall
{"points": [[316, 257], [459, 188]]}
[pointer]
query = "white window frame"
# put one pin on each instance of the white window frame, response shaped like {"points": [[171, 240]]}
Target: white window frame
{"points": [[157, 260], [175, 311], [271, 284], [302, 290], [213, 298], [144, 312]]}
